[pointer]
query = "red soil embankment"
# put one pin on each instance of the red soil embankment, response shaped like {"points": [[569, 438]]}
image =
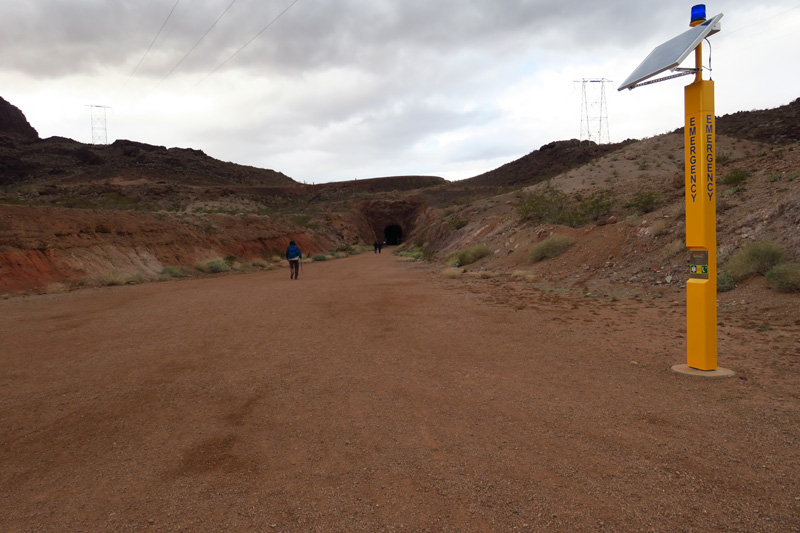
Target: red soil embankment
{"points": [[41, 245]]}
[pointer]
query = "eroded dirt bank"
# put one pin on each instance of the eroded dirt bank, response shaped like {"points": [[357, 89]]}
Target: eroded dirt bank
{"points": [[42, 245], [373, 395]]}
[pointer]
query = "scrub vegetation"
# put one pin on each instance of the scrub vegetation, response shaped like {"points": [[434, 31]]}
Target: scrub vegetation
{"points": [[755, 258], [551, 247], [469, 255]]}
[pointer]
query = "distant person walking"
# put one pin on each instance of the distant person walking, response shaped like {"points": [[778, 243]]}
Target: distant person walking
{"points": [[294, 256], [375, 247]]}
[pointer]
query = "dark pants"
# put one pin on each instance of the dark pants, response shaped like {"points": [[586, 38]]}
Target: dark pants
{"points": [[294, 268]]}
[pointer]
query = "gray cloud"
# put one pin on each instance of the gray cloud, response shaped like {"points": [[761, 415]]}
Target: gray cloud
{"points": [[380, 78]]}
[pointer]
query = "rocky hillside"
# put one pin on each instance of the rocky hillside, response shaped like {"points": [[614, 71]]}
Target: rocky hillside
{"points": [[71, 212], [14, 125]]}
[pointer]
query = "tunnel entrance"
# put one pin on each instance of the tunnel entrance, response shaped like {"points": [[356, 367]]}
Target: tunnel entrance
{"points": [[393, 235]]}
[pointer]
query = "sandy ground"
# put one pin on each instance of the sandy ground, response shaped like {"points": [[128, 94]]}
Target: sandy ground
{"points": [[374, 395]]}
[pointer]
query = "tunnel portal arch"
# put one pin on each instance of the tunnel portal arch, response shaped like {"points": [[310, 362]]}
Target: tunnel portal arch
{"points": [[393, 234]]}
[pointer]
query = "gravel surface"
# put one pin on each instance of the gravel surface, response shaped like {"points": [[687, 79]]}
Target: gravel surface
{"points": [[375, 395]]}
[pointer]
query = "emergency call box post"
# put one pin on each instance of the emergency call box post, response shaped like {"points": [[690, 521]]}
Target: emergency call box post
{"points": [[700, 182]]}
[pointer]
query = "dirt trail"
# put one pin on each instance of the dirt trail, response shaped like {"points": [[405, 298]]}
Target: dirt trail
{"points": [[371, 395]]}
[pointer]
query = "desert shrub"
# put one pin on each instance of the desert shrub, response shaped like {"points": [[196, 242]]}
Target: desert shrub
{"points": [[230, 259], [725, 282], [737, 176], [753, 258], [723, 158], [550, 247], [319, 257], [347, 249], [643, 202], [785, 277], [548, 205], [419, 241], [469, 255], [214, 267], [260, 262], [139, 277], [339, 255], [169, 272], [458, 222], [115, 277], [429, 255], [595, 205], [556, 207]]}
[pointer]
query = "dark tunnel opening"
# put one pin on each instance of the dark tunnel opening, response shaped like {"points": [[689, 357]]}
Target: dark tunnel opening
{"points": [[393, 235]]}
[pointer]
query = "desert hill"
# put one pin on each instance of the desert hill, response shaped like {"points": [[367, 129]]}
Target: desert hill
{"points": [[70, 213]]}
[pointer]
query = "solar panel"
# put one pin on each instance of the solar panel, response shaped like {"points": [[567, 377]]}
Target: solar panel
{"points": [[670, 54]]}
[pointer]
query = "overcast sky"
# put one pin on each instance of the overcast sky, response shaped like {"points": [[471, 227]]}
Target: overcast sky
{"points": [[333, 90]]}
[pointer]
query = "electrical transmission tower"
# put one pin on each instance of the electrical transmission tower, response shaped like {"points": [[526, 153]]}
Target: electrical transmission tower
{"points": [[594, 113], [98, 116]]}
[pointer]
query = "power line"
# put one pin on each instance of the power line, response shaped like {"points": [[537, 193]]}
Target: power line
{"points": [[195, 45], [724, 35], [151, 45], [265, 28]]}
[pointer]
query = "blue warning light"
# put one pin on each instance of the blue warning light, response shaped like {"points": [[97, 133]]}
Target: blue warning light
{"points": [[698, 13]]}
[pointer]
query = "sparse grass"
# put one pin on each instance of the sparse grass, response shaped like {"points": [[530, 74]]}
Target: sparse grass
{"points": [[214, 267], [550, 247], [347, 249], [305, 221], [114, 277], [482, 274], [429, 255], [725, 282], [260, 263], [319, 257], [723, 158], [452, 272], [139, 277], [170, 272], [643, 202], [469, 255], [735, 177], [733, 190], [785, 277], [56, 288], [755, 258]]}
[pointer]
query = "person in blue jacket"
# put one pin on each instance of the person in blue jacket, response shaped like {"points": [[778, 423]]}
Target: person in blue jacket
{"points": [[294, 256]]}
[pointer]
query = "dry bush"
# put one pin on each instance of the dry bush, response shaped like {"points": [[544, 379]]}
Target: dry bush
{"points": [[452, 273], [785, 277], [550, 247], [752, 259], [469, 255], [214, 267], [114, 277], [482, 274], [55, 288]]}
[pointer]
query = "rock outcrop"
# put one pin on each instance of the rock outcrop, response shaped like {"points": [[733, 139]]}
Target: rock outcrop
{"points": [[14, 124]]}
